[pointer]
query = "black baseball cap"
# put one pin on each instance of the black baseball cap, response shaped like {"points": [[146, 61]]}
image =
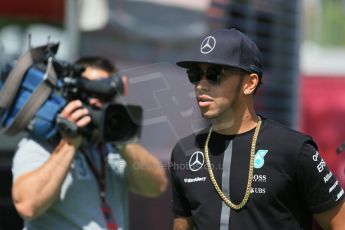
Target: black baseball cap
{"points": [[227, 47]]}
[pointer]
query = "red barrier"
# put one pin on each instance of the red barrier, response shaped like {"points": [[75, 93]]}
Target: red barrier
{"points": [[323, 117]]}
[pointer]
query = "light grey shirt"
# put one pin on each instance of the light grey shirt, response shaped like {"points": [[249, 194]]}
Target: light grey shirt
{"points": [[78, 205]]}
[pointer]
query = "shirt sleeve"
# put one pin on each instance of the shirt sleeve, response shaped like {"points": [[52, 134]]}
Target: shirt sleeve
{"points": [[317, 184], [28, 156], [180, 203]]}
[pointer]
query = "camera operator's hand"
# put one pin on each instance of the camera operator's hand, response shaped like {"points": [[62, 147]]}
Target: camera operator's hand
{"points": [[36, 191], [78, 115]]}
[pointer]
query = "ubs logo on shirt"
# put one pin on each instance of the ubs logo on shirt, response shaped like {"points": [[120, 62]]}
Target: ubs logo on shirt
{"points": [[196, 161]]}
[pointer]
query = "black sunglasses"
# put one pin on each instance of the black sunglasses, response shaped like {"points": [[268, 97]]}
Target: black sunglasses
{"points": [[213, 74]]}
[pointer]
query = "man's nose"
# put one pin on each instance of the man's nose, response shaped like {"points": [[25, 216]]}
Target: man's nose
{"points": [[203, 84]]}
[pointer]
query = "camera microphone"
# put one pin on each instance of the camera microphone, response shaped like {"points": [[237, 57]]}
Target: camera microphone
{"points": [[103, 88]]}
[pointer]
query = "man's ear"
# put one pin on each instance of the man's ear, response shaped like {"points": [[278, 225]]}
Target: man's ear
{"points": [[250, 83]]}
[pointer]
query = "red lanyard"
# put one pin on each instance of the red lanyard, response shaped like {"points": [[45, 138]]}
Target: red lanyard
{"points": [[100, 177]]}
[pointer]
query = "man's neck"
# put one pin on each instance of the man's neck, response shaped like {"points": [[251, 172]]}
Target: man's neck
{"points": [[236, 124]]}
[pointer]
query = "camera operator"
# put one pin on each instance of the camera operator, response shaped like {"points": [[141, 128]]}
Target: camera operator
{"points": [[70, 183]]}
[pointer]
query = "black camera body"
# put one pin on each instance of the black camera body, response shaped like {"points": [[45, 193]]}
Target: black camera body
{"points": [[38, 86]]}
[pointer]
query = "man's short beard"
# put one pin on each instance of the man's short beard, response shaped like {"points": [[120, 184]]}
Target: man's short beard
{"points": [[235, 102]]}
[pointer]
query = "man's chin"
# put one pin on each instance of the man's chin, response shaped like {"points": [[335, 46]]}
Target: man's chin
{"points": [[207, 115]]}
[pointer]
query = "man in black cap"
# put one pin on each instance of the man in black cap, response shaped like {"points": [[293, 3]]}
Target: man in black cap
{"points": [[246, 171]]}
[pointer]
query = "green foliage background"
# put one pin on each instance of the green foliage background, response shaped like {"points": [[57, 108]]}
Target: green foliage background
{"points": [[324, 22]]}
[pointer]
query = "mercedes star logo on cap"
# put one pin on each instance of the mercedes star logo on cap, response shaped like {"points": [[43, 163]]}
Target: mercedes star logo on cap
{"points": [[196, 161], [208, 45]]}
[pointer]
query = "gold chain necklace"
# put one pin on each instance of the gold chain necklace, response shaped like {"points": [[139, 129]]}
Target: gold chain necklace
{"points": [[250, 174]]}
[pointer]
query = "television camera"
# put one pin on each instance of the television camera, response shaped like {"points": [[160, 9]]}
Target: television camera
{"points": [[36, 87]]}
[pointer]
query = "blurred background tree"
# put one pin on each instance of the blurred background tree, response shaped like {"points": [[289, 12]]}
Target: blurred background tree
{"points": [[324, 22]]}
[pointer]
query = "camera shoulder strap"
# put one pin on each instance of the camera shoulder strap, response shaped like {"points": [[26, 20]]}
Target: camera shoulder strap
{"points": [[12, 83], [15, 77], [37, 98]]}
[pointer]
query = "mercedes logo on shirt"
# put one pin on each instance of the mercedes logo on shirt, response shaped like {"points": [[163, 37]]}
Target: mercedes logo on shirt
{"points": [[208, 45], [196, 161]]}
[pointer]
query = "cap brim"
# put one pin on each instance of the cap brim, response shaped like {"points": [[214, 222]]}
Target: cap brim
{"points": [[188, 64]]}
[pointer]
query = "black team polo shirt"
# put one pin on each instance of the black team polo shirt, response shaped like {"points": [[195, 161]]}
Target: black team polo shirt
{"points": [[291, 181]]}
